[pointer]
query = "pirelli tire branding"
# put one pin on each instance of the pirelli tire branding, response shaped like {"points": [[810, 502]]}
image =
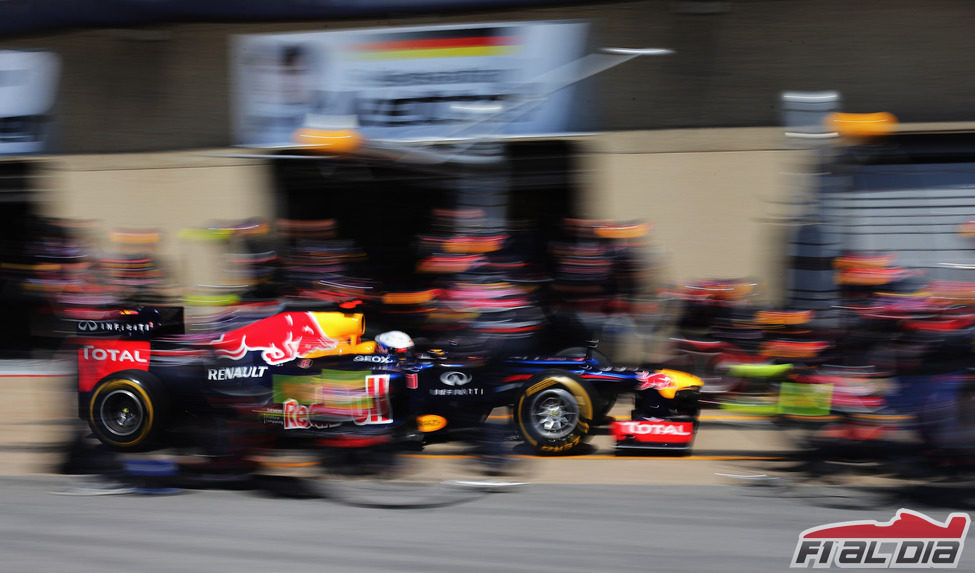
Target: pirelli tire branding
{"points": [[123, 412], [555, 414]]}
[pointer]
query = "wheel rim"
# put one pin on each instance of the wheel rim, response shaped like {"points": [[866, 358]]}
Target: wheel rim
{"points": [[121, 412], [554, 413]]}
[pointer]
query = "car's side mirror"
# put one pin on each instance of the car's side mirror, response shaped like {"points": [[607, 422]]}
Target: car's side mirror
{"points": [[591, 345]]}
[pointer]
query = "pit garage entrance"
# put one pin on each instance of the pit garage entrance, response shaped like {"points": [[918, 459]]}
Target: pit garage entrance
{"points": [[384, 207]]}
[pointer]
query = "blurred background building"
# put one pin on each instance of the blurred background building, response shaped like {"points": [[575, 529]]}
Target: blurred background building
{"points": [[143, 118]]}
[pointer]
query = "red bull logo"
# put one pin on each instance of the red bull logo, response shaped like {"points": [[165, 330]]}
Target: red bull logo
{"points": [[280, 338], [295, 415], [657, 381], [339, 401]]}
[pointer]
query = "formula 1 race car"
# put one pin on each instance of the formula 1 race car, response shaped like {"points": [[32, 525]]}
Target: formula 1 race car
{"points": [[309, 374]]}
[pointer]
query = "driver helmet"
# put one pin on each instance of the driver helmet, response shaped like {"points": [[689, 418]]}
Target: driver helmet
{"points": [[394, 342]]}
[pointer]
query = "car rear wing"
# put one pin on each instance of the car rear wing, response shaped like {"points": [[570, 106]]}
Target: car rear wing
{"points": [[132, 323]]}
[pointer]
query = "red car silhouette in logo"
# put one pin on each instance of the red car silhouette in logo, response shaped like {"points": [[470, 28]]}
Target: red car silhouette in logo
{"points": [[281, 338], [906, 524], [909, 540]]}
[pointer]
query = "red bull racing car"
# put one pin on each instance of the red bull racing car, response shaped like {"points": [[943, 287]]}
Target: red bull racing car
{"points": [[311, 375]]}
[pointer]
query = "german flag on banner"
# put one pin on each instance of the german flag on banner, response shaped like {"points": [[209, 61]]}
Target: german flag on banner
{"points": [[443, 43]]}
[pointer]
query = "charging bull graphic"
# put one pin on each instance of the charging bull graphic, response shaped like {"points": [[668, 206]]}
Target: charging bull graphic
{"points": [[281, 338]]}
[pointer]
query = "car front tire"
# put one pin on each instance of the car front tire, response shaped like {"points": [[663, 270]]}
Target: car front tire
{"points": [[555, 413]]}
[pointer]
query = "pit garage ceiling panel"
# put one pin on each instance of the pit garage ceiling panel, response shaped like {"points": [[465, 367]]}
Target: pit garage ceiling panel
{"points": [[18, 17]]}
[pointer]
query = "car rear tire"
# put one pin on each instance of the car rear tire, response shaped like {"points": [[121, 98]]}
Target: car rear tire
{"points": [[127, 410], [555, 413]]}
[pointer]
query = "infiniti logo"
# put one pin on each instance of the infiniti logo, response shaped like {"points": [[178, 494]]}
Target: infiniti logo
{"points": [[455, 378], [114, 326]]}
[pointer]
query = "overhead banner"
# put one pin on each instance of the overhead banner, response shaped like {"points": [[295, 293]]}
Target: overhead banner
{"points": [[28, 91], [431, 82]]}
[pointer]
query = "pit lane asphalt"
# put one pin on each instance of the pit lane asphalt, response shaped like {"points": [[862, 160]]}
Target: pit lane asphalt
{"points": [[541, 527]]}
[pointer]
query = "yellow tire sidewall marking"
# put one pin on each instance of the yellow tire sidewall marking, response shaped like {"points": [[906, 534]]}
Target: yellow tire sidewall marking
{"points": [[119, 384], [582, 399]]}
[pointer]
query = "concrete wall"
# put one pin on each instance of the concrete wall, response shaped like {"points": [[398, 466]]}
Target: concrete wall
{"points": [[712, 196], [163, 191], [719, 200]]}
